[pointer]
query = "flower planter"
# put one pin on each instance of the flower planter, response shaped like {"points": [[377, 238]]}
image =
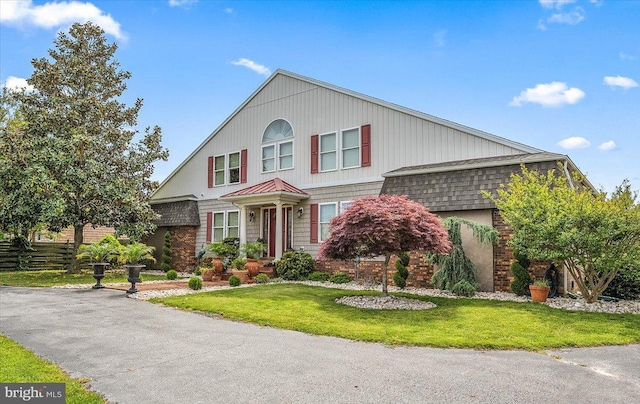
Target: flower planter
{"points": [[98, 273], [217, 265], [243, 275], [207, 276], [134, 276], [539, 293], [253, 266]]}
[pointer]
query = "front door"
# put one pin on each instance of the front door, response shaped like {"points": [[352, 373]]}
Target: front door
{"points": [[269, 229]]}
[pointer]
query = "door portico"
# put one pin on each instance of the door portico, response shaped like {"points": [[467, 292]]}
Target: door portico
{"points": [[275, 197]]}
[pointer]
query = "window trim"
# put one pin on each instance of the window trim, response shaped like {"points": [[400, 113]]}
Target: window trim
{"points": [[293, 165], [320, 222], [216, 171], [262, 159], [276, 155], [335, 150], [225, 224], [359, 147], [228, 168]]}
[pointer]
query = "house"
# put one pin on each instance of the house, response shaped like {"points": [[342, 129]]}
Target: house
{"points": [[299, 150]]}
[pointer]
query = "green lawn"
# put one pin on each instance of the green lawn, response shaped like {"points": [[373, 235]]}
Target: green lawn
{"points": [[58, 278], [19, 365], [460, 323]]}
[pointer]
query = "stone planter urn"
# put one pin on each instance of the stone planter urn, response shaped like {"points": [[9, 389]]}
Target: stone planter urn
{"points": [[243, 275], [207, 274], [253, 266], [98, 273], [134, 276]]}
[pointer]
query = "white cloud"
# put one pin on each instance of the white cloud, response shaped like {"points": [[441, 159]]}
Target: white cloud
{"points": [[57, 14], [16, 83], [571, 18], [228, 10], [619, 81], [597, 3], [541, 25], [439, 38], [575, 142], [258, 68], [558, 4], [181, 3], [624, 56], [554, 94], [606, 146]]}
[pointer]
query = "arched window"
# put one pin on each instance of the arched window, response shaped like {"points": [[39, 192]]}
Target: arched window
{"points": [[277, 146]]}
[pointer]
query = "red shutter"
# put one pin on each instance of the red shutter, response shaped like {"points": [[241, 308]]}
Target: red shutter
{"points": [[243, 166], [209, 225], [210, 172], [314, 223], [365, 133], [315, 143]]}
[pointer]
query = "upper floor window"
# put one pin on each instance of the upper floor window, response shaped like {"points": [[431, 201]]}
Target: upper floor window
{"points": [[227, 169], [328, 152], [343, 149], [277, 148], [351, 148]]}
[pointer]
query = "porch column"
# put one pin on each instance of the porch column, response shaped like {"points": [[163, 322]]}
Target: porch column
{"points": [[278, 230], [243, 224]]}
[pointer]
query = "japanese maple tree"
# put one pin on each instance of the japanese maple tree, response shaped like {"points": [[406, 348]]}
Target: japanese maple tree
{"points": [[384, 225]]}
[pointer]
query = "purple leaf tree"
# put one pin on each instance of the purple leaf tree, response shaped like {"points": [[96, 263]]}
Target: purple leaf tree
{"points": [[384, 225]]}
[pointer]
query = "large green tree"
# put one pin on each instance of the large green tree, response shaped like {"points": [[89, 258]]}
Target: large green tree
{"points": [[85, 138], [593, 234]]}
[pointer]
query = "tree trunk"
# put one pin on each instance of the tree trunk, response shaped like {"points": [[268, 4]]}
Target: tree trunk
{"points": [[384, 275], [78, 237]]}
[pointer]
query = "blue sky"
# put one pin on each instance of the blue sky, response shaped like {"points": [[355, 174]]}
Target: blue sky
{"points": [[559, 75]]}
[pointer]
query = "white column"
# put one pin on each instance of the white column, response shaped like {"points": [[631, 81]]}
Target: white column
{"points": [[243, 224], [278, 230]]}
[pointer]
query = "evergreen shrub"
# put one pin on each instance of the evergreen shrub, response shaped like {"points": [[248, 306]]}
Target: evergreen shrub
{"points": [[195, 283], [172, 275], [234, 281]]}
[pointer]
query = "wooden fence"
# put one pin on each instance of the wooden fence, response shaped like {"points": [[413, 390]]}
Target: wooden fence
{"points": [[44, 256]]}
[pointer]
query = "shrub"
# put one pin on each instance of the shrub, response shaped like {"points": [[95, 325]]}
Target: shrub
{"points": [[294, 266], [261, 278], [464, 288], [399, 280], [172, 274], [340, 278], [404, 258], [625, 285], [197, 271], [234, 281], [319, 276], [165, 265], [195, 283], [522, 279], [402, 269]]}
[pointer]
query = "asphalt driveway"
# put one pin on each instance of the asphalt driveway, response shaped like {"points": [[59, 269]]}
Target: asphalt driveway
{"points": [[137, 352]]}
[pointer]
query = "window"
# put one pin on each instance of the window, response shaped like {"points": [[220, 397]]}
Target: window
{"points": [[225, 224], [218, 226], [351, 148], [219, 167], [344, 205], [277, 149], [327, 212], [328, 153], [234, 168]]}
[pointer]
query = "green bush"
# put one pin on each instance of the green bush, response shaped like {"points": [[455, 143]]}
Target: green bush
{"points": [[399, 280], [172, 275], [294, 266], [195, 283], [521, 281], [404, 258], [165, 265], [625, 285], [340, 278], [197, 272], [464, 288], [319, 276], [234, 281], [261, 278]]}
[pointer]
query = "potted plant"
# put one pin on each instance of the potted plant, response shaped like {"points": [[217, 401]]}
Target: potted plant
{"points": [[222, 251], [253, 252], [100, 256], [539, 290], [132, 255], [207, 273], [239, 269]]}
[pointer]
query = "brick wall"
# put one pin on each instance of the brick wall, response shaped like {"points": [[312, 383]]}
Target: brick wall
{"points": [[183, 248], [503, 257], [419, 272]]}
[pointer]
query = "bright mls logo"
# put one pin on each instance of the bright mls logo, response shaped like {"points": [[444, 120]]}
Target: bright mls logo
{"points": [[41, 393]]}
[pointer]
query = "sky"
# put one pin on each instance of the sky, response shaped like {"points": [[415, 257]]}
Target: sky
{"points": [[559, 75]]}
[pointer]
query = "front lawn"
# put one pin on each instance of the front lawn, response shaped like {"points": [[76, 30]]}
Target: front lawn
{"points": [[460, 323], [59, 278], [20, 365]]}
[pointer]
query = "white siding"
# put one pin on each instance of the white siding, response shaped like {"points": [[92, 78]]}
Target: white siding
{"points": [[398, 139]]}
